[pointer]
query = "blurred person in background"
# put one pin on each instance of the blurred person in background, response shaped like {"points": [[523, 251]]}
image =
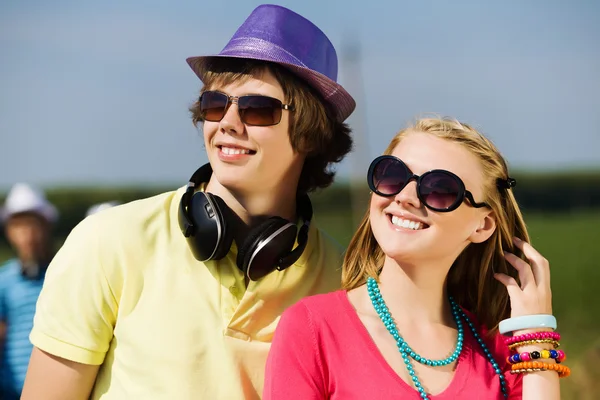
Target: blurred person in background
{"points": [[28, 218], [96, 208], [177, 296]]}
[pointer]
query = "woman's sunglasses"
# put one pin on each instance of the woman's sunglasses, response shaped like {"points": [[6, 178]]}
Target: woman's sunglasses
{"points": [[439, 190], [254, 110]]}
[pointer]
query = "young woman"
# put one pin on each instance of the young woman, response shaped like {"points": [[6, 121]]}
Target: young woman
{"points": [[430, 279]]}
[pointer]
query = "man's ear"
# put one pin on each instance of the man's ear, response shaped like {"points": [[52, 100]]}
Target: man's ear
{"points": [[486, 228]]}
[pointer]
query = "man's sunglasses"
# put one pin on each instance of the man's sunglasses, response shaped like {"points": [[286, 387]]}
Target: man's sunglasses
{"points": [[254, 110], [439, 190]]}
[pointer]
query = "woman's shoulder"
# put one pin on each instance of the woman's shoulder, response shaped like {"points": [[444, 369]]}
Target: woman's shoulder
{"points": [[322, 303], [319, 308]]}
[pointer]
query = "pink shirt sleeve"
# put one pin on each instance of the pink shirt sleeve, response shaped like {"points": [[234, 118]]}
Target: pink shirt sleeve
{"points": [[294, 366]]}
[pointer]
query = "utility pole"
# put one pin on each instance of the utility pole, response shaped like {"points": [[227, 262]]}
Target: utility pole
{"points": [[359, 158]]}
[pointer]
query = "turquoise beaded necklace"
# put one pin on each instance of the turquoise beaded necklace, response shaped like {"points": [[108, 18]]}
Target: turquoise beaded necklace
{"points": [[408, 353]]}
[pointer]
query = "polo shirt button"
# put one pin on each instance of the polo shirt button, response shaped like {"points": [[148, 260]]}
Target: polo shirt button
{"points": [[233, 290]]}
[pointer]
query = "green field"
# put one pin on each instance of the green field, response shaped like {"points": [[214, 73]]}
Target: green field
{"points": [[5, 253], [571, 243]]}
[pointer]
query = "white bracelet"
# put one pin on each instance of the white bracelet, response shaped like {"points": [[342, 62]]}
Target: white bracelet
{"points": [[527, 322]]}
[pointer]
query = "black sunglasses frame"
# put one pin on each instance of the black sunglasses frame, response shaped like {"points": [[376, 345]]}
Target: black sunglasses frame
{"points": [[237, 99], [460, 197]]}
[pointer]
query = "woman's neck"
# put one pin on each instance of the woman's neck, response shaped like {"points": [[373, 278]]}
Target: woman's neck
{"points": [[416, 292]]}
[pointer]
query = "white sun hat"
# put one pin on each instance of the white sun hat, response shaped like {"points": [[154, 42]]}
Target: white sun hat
{"points": [[24, 198]]}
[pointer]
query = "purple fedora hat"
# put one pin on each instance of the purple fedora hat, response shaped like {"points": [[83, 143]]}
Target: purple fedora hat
{"points": [[276, 34]]}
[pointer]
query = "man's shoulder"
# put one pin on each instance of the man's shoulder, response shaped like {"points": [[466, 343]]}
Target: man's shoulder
{"points": [[9, 273], [136, 217], [124, 232], [9, 267]]}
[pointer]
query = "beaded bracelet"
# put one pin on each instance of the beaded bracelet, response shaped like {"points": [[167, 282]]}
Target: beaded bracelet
{"points": [[554, 343], [523, 371], [558, 355], [531, 366], [532, 336]]}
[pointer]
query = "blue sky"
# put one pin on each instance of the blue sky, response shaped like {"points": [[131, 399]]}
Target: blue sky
{"points": [[96, 92]]}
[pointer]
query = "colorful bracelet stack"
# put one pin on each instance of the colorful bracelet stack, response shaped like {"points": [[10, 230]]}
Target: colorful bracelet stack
{"points": [[525, 362]]}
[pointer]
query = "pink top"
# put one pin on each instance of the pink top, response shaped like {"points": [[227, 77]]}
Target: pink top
{"points": [[321, 350]]}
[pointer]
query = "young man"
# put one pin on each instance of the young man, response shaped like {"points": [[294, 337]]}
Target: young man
{"points": [[178, 296], [27, 217]]}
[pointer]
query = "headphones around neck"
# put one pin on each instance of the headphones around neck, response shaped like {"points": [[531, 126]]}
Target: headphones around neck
{"points": [[206, 222]]}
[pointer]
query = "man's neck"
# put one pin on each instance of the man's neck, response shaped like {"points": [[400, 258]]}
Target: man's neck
{"points": [[33, 268], [254, 207]]}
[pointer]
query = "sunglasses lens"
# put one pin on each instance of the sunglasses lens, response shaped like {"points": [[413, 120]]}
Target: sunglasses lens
{"points": [[260, 110], [439, 190], [388, 176], [213, 105]]}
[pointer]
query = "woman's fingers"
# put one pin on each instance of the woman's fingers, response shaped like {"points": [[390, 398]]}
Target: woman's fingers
{"points": [[525, 273], [511, 284], [540, 267]]}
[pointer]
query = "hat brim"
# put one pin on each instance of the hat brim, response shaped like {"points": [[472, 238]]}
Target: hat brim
{"points": [[47, 211], [340, 101]]}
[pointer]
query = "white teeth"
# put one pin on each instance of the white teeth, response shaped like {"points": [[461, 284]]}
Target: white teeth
{"points": [[405, 223], [232, 151]]}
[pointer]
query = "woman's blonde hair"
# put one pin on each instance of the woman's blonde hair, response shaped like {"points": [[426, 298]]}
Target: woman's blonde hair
{"points": [[470, 279]]}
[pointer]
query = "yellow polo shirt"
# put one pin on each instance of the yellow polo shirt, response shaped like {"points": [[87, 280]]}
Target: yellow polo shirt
{"points": [[126, 292]]}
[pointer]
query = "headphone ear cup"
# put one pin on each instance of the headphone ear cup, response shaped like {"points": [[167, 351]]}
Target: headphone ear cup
{"points": [[186, 226], [211, 239], [224, 213], [264, 246], [250, 243]]}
